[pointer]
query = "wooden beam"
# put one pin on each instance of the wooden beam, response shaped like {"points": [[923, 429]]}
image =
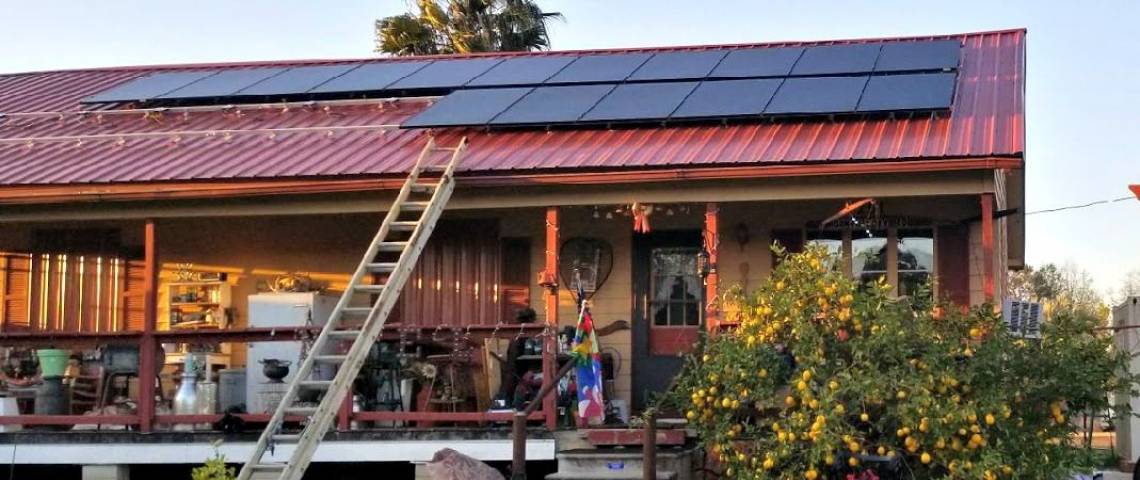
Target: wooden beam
{"points": [[148, 368], [295, 186], [550, 278], [712, 246], [988, 273]]}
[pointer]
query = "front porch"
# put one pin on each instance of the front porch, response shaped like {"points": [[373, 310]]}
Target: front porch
{"points": [[459, 313]]}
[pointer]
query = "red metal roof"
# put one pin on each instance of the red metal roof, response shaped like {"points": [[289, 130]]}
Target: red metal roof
{"points": [[986, 120]]}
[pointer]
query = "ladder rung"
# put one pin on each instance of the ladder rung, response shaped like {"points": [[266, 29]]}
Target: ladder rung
{"points": [[330, 358], [422, 187], [316, 384], [287, 437], [268, 467], [413, 206], [393, 246], [370, 288], [357, 310], [345, 333], [444, 149], [403, 226], [381, 267], [301, 411]]}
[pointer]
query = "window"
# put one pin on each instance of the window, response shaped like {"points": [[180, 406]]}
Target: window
{"points": [[867, 254], [676, 287], [915, 259]]}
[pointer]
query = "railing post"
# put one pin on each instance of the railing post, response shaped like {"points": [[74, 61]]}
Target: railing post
{"points": [[649, 447], [148, 349], [550, 278], [988, 274], [711, 240], [518, 445]]}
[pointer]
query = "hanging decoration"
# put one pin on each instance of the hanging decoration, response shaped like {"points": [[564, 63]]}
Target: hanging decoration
{"points": [[585, 264], [641, 214], [588, 367]]}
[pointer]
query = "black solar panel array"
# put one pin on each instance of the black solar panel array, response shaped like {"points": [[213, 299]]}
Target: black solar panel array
{"points": [[601, 87]]}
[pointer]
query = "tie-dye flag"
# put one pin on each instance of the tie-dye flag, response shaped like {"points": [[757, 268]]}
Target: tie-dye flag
{"points": [[591, 406]]}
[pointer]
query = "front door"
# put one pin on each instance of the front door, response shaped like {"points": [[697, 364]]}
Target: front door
{"points": [[669, 308]]}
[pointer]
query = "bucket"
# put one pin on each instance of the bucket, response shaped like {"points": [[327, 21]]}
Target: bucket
{"points": [[53, 362]]}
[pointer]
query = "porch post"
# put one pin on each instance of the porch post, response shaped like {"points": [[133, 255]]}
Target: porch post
{"points": [[988, 273], [550, 277], [711, 245], [148, 349]]}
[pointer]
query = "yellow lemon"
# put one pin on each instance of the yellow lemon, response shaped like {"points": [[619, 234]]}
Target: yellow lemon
{"points": [[925, 458]]}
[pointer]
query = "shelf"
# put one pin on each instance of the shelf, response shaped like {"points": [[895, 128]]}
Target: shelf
{"points": [[195, 325], [194, 304]]}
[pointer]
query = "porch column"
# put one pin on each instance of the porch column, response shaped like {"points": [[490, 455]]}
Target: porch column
{"points": [[148, 349], [988, 273], [711, 245], [550, 278]]}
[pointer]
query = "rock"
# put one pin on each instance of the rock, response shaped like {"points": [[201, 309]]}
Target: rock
{"points": [[448, 464]]}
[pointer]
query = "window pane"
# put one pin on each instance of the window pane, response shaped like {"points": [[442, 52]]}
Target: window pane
{"points": [[869, 254], [676, 289], [916, 259]]}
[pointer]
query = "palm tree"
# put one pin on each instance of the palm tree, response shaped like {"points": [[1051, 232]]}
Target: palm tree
{"points": [[465, 26]]}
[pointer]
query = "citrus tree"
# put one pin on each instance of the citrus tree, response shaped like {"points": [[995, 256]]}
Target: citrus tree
{"points": [[828, 378]]}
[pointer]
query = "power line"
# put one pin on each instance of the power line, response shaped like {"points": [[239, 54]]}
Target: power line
{"points": [[1083, 205]]}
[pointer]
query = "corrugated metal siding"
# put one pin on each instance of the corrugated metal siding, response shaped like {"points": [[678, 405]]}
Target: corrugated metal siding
{"points": [[987, 119]]}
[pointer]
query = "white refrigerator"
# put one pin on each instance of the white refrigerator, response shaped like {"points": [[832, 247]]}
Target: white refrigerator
{"points": [[268, 310]]}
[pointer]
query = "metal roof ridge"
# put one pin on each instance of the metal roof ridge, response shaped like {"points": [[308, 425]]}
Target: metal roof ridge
{"points": [[660, 48]]}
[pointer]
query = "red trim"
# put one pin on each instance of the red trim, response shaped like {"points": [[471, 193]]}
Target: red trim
{"points": [[244, 188], [442, 416], [1135, 190], [69, 420], [988, 273], [551, 307]]}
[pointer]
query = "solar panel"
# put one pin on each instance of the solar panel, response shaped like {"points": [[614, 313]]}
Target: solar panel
{"points": [[148, 87], [728, 98], [370, 77], [545, 105], [837, 59], [467, 107], [932, 55], [817, 95], [297, 80], [924, 91], [757, 62], [445, 74], [679, 65], [224, 83], [522, 71], [640, 101], [600, 68]]}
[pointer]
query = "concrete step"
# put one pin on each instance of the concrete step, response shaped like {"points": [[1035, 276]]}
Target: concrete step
{"points": [[613, 461]]}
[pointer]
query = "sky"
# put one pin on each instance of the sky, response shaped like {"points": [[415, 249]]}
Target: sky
{"points": [[1082, 90]]}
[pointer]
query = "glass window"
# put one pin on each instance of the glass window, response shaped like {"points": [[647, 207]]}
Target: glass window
{"points": [[832, 240], [868, 254], [676, 287], [916, 259]]}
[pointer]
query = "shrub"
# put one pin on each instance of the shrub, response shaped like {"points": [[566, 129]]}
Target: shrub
{"points": [[214, 469], [828, 378]]}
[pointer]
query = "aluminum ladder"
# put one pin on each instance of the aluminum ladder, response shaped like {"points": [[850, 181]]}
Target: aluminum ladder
{"points": [[400, 237]]}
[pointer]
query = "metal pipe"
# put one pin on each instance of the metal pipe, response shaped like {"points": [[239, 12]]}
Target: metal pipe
{"points": [[518, 426]]}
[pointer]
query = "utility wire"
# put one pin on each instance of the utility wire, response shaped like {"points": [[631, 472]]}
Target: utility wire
{"points": [[1083, 205]]}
